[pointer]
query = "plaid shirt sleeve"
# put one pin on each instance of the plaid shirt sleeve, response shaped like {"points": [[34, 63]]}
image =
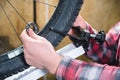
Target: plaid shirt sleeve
{"points": [[109, 51], [70, 69]]}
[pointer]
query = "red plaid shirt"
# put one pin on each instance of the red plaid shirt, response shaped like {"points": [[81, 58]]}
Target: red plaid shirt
{"points": [[106, 54]]}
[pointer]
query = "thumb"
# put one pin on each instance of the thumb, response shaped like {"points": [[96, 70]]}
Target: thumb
{"points": [[32, 34]]}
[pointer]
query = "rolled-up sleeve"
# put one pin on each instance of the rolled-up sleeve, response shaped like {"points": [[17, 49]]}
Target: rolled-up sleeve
{"points": [[71, 69]]}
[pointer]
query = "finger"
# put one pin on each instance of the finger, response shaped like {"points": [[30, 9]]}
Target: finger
{"points": [[77, 21], [80, 22], [24, 36], [32, 34], [70, 31]]}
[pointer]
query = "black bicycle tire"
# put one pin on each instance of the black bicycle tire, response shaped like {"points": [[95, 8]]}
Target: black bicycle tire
{"points": [[62, 20]]}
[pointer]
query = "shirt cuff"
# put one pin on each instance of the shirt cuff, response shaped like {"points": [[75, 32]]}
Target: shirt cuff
{"points": [[62, 67]]}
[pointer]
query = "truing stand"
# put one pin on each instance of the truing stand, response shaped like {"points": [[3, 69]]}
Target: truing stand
{"points": [[33, 73]]}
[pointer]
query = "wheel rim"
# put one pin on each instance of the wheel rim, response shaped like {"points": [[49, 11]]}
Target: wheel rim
{"points": [[61, 20]]}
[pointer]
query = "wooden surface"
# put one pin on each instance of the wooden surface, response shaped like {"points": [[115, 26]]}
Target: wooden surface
{"points": [[45, 9], [11, 23], [101, 14]]}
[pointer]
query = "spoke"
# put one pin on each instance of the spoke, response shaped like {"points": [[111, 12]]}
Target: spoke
{"points": [[17, 12], [10, 22], [34, 12], [34, 3], [21, 15], [45, 3], [34, 9]]}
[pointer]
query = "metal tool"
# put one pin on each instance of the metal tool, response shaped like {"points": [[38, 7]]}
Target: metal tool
{"points": [[33, 26], [82, 36]]}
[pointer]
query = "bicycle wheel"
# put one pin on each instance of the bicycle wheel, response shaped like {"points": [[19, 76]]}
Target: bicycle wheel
{"points": [[62, 20]]}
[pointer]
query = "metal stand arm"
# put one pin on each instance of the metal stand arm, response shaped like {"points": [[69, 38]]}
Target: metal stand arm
{"points": [[33, 73]]}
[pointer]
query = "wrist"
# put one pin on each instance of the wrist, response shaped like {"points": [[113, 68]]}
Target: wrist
{"points": [[52, 66]]}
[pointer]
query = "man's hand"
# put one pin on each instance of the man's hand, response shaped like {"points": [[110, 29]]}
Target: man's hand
{"points": [[39, 52]]}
